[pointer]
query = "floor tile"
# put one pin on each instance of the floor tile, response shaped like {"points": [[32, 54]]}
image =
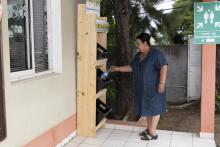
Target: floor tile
{"points": [[164, 142], [165, 136], [110, 126], [72, 144], [198, 140], [203, 145], [121, 132], [184, 138], [87, 145], [119, 135], [164, 132], [154, 145], [133, 144], [78, 140], [93, 141], [107, 137], [181, 143], [139, 129], [123, 127], [105, 130], [104, 133], [182, 134], [134, 137], [204, 141], [113, 143]]}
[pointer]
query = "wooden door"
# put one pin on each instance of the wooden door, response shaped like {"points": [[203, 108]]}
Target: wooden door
{"points": [[194, 70]]}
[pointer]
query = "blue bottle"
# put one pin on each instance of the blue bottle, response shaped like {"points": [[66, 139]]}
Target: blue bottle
{"points": [[105, 74]]}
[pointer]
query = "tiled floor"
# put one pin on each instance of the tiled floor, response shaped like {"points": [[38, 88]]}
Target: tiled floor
{"points": [[127, 136]]}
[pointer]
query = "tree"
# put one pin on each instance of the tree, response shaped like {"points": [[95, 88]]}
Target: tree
{"points": [[180, 22], [122, 54]]}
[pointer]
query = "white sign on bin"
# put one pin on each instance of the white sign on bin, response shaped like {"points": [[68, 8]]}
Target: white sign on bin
{"points": [[93, 6]]}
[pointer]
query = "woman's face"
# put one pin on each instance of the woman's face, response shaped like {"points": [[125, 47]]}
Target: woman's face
{"points": [[143, 47]]}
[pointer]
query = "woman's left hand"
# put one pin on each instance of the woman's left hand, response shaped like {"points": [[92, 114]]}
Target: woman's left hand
{"points": [[161, 88]]}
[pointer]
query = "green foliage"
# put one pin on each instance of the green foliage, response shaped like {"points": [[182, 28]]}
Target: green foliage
{"points": [[217, 103], [107, 10], [180, 22], [139, 21], [174, 27], [111, 92]]}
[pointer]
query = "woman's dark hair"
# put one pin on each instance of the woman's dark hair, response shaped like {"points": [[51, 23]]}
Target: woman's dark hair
{"points": [[144, 37]]}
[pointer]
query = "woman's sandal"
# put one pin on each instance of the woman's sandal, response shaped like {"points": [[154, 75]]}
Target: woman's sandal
{"points": [[144, 132], [149, 136]]}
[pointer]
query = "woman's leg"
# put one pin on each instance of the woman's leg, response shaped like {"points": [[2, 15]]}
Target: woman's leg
{"points": [[144, 121], [148, 122], [153, 124]]}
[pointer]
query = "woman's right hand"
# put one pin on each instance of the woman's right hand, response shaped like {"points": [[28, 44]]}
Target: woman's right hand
{"points": [[114, 68]]}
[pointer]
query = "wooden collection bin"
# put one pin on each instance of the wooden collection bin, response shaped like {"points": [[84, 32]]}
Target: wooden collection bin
{"points": [[87, 39]]}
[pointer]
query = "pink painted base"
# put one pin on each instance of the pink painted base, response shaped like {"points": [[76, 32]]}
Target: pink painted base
{"points": [[55, 135]]}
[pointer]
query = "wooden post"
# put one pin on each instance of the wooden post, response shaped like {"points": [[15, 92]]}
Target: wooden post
{"points": [[87, 39], [208, 89]]}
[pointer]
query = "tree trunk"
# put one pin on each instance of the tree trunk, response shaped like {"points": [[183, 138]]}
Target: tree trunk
{"points": [[122, 56]]}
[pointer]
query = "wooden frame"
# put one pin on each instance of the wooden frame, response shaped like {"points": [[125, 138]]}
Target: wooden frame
{"points": [[2, 94], [87, 39]]}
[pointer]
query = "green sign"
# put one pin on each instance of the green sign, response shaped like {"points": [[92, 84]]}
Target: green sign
{"points": [[207, 23]]}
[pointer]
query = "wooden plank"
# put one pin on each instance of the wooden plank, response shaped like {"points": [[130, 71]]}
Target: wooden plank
{"points": [[81, 68], [101, 62], [86, 61], [102, 37], [102, 40], [101, 124], [103, 98], [101, 93], [92, 72]]}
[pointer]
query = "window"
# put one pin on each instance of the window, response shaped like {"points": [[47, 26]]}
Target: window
{"points": [[34, 40]]}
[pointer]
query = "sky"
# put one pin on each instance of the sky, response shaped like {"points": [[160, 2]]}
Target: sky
{"points": [[167, 4]]}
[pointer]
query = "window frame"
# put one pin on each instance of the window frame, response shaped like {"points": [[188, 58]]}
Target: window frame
{"points": [[54, 47], [29, 48]]}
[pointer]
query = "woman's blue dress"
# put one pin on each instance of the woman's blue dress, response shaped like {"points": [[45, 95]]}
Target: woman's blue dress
{"points": [[146, 76]]}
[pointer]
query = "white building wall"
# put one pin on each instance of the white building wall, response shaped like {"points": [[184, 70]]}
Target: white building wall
{"points": [[35, 105]]}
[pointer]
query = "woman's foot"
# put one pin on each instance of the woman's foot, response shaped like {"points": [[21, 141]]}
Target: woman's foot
{"points": [[144, 132], [149, 136]]}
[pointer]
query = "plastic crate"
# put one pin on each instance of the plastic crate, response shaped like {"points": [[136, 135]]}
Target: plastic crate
{"points": [[102, 110], [101, 84]]}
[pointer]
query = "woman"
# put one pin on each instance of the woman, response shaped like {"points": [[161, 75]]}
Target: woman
{"points": [[149, 68]]}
